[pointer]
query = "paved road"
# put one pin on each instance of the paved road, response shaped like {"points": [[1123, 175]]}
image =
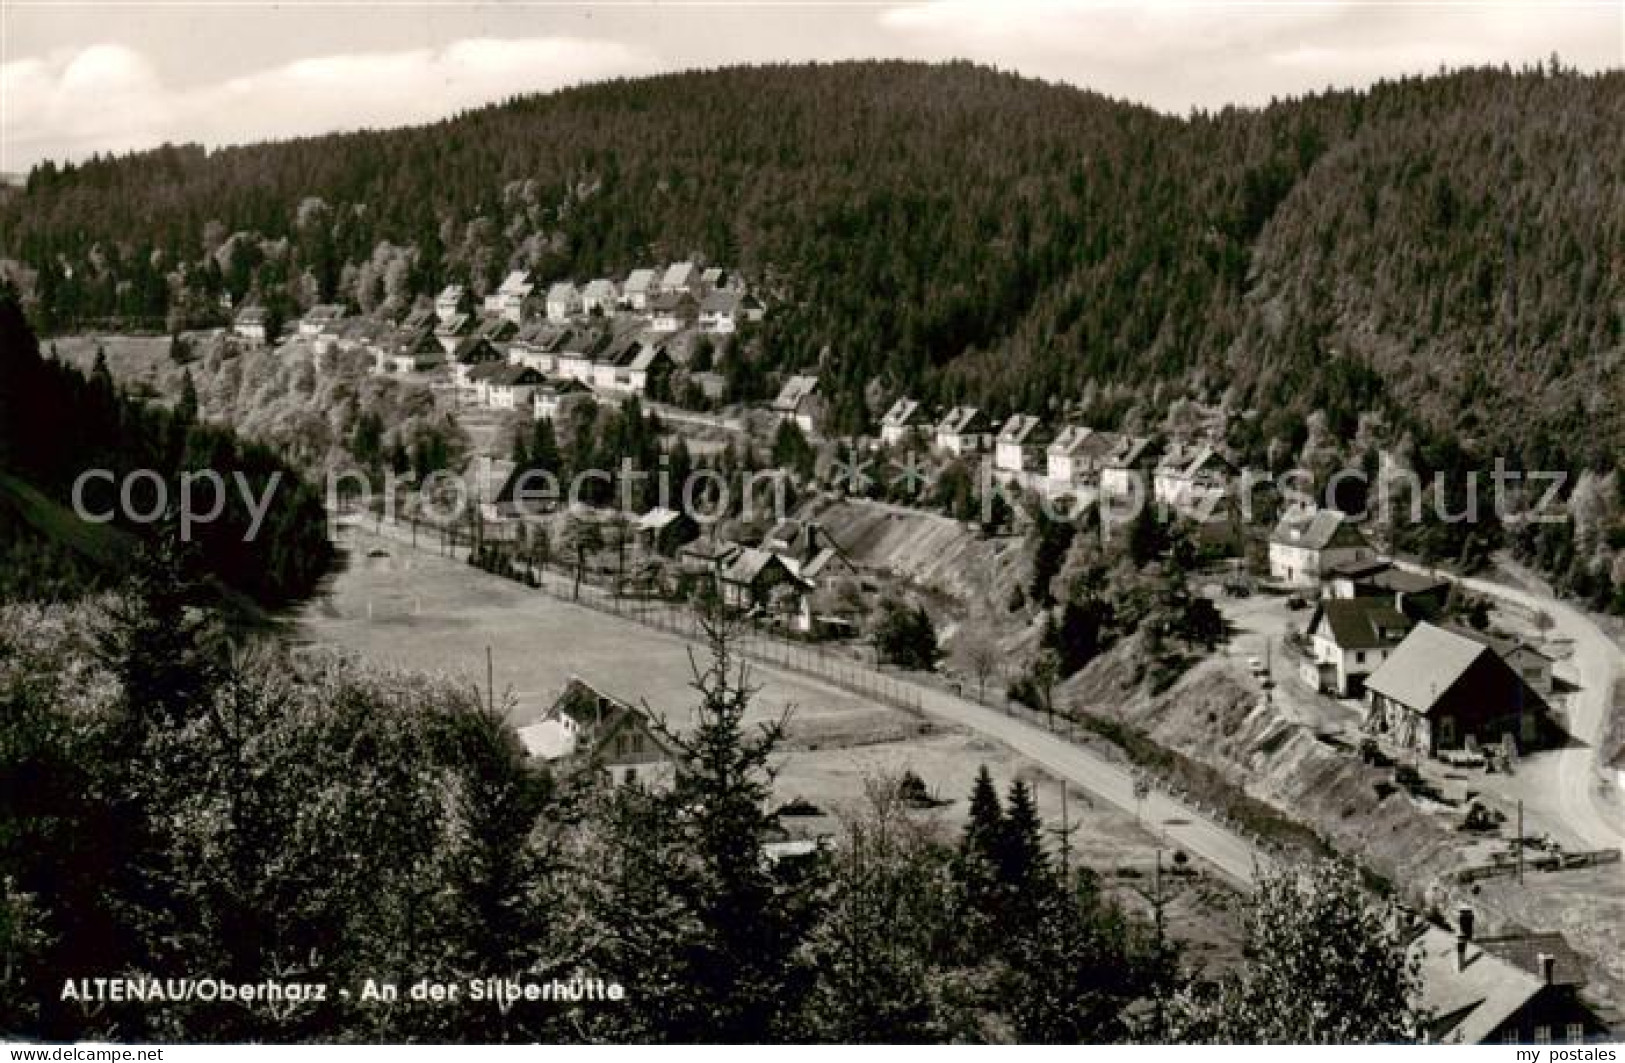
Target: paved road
{"points": [[1570, 776], [1181, 826]]}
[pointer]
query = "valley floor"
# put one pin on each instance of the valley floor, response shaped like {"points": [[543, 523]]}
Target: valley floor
{"points": [[408, 607]]}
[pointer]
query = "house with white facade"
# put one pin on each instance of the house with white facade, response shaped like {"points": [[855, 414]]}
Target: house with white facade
{"points": [[452, 300], [473, 351], [551, 397], [681, 277], [1349, 638], [563, 301], [639, 286], [798, 401], [600, 296], [252, 323], [671, 311], [1307, 542], [1019, 445], [514, 299], [722, 312], [962, 431], [506, 387], [904, 416], [1188, 476]]}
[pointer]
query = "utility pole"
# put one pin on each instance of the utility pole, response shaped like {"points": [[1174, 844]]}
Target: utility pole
{"points": [[1520, 841], [1066, 841]]}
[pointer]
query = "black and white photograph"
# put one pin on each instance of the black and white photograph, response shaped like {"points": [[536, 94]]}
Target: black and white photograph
{"points": [[812, 523]]}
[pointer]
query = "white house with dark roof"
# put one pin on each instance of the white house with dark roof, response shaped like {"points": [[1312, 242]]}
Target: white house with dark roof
{"points": [[798, 401], [552, 397], [451, 330], [1019, 445], [1418, 596], [588, 730], [963, 430], [903, 417], [409, 351], [502, 386], [1307, 542], [1123, 470], [1349, 638], [473, 351], [1067, 460], [671, 311]]}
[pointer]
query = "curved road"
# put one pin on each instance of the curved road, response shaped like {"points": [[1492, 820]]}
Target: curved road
{"points": [[1178, 824], [1569, 775]]}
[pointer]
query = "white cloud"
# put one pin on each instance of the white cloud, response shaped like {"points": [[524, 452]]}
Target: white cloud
{"points": [[1175, 55], [107, 97]]}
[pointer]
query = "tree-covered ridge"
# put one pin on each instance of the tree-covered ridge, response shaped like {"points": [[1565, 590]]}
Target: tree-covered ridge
{"points": [[57, 423], [1043, 242]]}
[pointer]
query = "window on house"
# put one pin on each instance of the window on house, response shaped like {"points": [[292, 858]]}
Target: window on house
{"points": [[1447, 730], [1359, 656], [1509, 1037], [1543, 1035], [1577, 1033]]}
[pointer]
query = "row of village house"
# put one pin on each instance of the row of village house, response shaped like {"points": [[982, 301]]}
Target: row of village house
{"points": [[1430, 687], [679, 296], [531, 349]]}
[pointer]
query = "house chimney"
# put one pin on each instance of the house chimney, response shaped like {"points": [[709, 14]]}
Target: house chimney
{"points": [[1464, 920], [1548, 967]]}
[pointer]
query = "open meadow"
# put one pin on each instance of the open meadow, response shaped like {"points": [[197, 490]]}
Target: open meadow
{"points": [[411, 608]]}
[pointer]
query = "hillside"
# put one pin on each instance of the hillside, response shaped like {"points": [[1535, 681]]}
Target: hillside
{"points": [[57, 422], [1444, 251]]}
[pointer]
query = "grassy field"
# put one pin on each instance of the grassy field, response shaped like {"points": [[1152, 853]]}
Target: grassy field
{"points": [[413, 609], [131, 359]]}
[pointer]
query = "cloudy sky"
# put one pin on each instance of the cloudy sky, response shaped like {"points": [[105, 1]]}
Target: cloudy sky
{"points": [[78, 76]]}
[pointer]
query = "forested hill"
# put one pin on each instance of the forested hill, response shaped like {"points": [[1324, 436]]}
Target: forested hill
{"points": [[56, 423], [1449, 251]]}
